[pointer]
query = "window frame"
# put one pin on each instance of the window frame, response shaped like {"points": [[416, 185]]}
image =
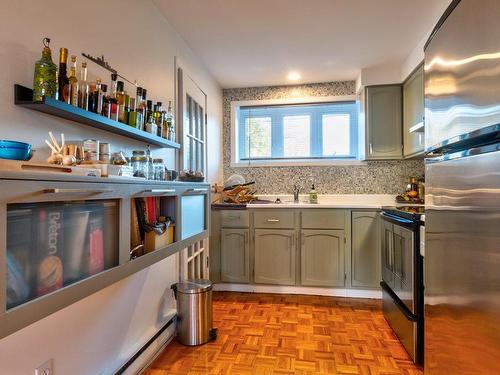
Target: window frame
{"points": [[238, 140]]}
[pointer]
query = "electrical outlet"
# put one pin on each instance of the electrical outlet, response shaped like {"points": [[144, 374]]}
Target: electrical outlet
{"points": [[46, 368]]}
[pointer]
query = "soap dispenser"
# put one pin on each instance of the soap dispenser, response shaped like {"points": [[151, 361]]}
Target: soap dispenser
{"points": [[313, 195]]}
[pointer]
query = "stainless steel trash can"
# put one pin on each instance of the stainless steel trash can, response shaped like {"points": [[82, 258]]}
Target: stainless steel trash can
{"points": [[194, 311]]}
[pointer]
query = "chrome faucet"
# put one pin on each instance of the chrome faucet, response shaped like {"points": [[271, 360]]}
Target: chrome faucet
{"points": [[296, 191]]}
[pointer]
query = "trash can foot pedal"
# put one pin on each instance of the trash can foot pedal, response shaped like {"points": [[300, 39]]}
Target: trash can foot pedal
{"points": [[213, 334]]}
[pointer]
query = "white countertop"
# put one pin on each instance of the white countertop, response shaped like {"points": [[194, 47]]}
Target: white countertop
{"points": [[329, 201]]}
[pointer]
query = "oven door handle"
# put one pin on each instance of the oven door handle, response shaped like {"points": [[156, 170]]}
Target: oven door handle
{"points": [[401, 306], [407, 223]]}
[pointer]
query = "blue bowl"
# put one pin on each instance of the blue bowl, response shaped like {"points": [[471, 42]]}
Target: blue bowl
{"points": [[15, 150]]}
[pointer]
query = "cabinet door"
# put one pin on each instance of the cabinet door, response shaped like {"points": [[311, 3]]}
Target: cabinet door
{"points": [[274, 256], [235, 256], [384, 122], [322, 258], [387, 244], [365, 265], [413, 113]]}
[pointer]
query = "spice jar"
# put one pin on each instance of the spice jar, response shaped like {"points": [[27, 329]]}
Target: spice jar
{"points": [[158, 169], [139, 166]]}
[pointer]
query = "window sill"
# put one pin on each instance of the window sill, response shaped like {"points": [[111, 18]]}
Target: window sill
{"points": [[296, 163]]}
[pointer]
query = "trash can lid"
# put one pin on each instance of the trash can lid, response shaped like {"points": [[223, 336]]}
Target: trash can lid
{"points": [[194, 286]]}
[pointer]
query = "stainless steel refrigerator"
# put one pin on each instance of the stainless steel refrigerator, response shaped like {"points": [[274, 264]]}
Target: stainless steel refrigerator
{"points": [[462, 131]]}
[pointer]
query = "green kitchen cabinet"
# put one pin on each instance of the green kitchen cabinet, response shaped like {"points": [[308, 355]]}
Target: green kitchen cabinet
{"points": [[235, 255], [365, 250], [384, 122], [413, 114], [322, 258], [275, 254]]}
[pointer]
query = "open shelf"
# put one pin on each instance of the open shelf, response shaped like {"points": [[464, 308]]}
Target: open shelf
{"points": [[23, 97]]}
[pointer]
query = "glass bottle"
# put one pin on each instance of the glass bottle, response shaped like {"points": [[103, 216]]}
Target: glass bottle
{"points": [[138, 101], [113, 102], [120, 97], [73, 83], [157, 119], [170, 119], [44, 78], [62, 78], [83, 87], [143, 109], [126, 110], [105, 100], [132, 113], [151, 126], [150, 171], [98, 97], [91, 98]]}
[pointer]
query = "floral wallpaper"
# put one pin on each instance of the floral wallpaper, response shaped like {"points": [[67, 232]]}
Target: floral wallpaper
{"points": [[373, 177]]}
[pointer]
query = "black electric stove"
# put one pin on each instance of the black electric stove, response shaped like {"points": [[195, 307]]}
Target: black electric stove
{"points": [[402, 276]]}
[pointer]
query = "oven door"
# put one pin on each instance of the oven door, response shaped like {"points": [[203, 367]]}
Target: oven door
{"points": [[398, 244]]}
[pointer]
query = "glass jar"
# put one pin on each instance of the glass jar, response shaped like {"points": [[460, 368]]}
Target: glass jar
{"points": [[138, 153], [140, 166], [159, 170]]}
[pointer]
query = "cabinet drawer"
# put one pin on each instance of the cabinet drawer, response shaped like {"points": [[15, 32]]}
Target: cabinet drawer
{"points": [[234, 219], [274, 219], [318, 218]]}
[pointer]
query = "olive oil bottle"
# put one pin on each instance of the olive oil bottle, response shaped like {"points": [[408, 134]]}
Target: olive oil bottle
{"points": [[73, 83], [44, 79]]}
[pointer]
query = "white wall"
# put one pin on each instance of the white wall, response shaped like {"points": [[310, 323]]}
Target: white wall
{"points": [[97, 334]]}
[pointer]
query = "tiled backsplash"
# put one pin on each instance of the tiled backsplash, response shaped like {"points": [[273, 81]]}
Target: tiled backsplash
{"points": [[377, 177]]}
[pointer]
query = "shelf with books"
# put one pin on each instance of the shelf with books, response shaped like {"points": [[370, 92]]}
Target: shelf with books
{"points": [[65, 240], [23, 97]]}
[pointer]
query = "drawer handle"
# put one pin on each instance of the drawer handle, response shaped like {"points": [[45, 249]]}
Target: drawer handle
{"points": [[273, 220], [159, 191], [76, 191], [197, 190]]}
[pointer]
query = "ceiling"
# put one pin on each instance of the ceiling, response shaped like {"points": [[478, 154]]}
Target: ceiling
{"points": [[247, 43]]}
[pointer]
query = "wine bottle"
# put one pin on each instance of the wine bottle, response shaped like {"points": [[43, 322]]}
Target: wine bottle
{"points": [[62, 79]]}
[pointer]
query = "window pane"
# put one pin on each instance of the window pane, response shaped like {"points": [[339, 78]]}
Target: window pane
{"points": [[336, 134], [296, 136], [258, 137]]}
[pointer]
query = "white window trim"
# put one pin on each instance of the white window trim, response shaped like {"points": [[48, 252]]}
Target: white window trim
{"points": [[235, 162]]}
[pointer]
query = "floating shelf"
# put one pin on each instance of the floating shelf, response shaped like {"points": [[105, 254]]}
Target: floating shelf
{"points": [[23, 97]]}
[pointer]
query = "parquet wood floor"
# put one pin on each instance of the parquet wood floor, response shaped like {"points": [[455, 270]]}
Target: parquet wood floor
{"points": [[271, 334]]}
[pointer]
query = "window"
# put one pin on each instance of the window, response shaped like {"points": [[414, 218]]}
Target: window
{"points": [[297, 132], [192, 128]]}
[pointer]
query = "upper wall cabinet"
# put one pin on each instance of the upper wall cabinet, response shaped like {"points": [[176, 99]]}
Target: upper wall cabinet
{"points": [[384, 139], [413, 114]]}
